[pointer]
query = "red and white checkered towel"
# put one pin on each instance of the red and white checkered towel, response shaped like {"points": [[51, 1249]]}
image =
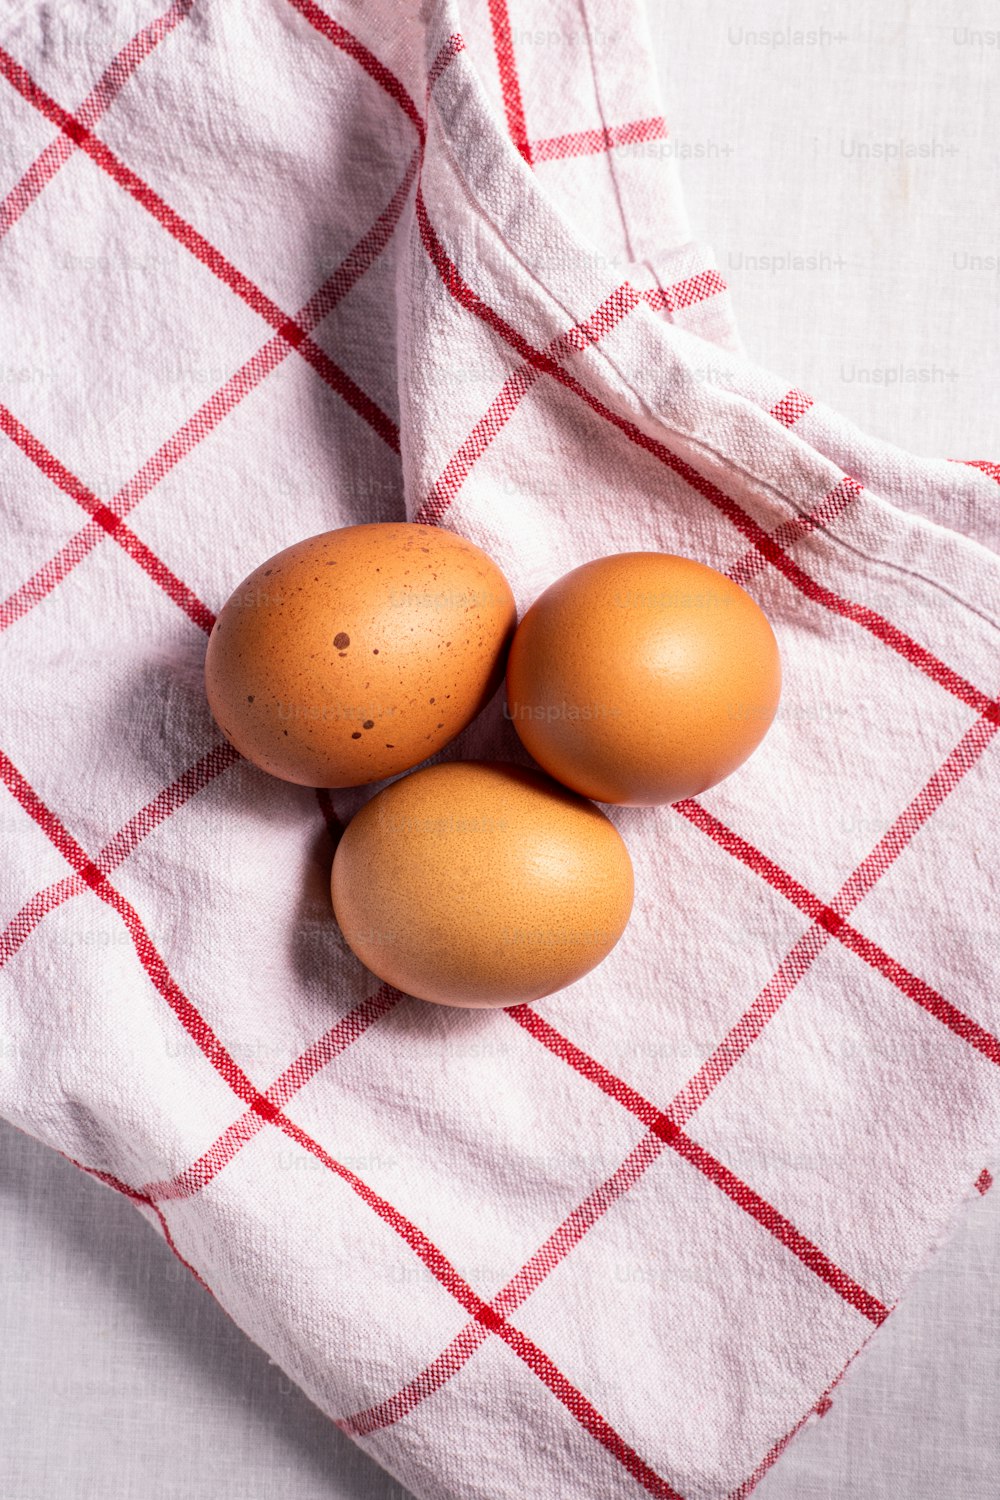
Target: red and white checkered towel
{"points": [[274, 266]]}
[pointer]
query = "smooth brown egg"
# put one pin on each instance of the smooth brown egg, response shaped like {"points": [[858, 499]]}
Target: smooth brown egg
{"points": [[480, 884], [643, 678], [356, 654]]}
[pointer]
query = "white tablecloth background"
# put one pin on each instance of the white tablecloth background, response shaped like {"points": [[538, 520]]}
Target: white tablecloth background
{"points": [[843, 162]]}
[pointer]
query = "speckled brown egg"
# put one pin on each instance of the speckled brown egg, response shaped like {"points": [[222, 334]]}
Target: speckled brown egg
{"points": [[356, 654], [480, 884], [643, 678]]}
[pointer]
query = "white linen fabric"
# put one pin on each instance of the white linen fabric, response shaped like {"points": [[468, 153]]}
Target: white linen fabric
{"points": [[111, 1350], [288, 267]]}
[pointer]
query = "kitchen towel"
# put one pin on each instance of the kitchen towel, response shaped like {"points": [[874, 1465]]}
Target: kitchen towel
{"points": [[270, 267]]}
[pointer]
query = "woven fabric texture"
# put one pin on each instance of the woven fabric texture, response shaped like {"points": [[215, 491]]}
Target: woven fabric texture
{"points": [[270, 267]]}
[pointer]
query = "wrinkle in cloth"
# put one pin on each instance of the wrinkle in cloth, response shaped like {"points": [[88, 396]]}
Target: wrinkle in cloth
{"points": [[271, 267]]}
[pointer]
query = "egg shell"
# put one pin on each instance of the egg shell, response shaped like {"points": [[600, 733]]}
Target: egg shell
{"points": [[356, 654], [478, 884], [643, 678]]}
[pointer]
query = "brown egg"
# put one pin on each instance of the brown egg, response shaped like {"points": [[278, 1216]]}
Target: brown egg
{"points": [[643, 678], [480, 884], [356, 654]]}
